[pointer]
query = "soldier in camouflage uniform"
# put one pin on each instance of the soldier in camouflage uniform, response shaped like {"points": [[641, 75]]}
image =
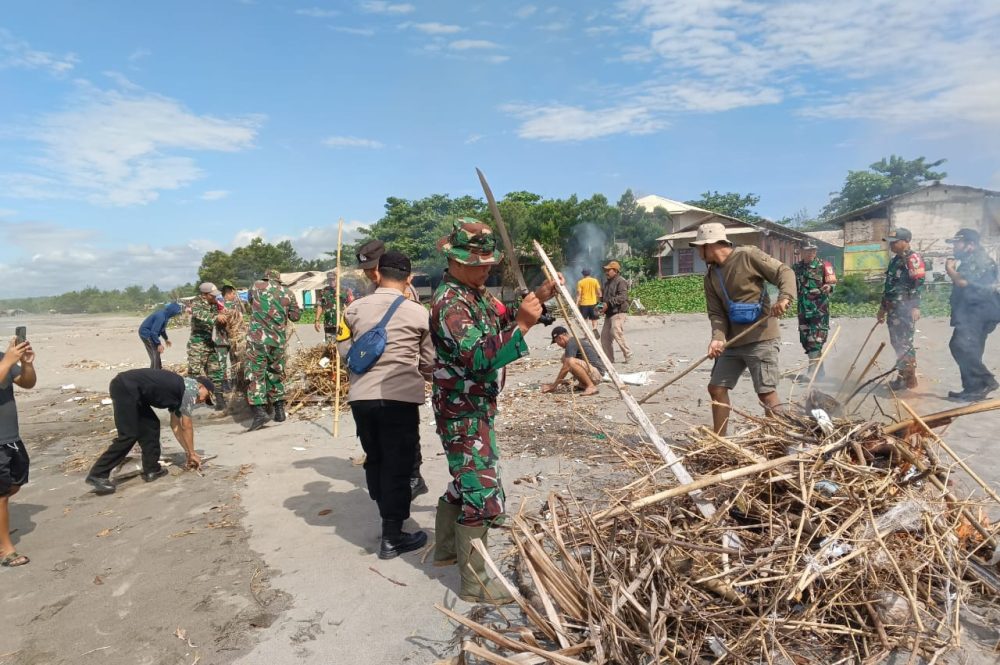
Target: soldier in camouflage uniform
{"points": [[326, 310], [272, 306], [475, 336], [814, 281], [974, 305], [203, 356], [904, 282]]}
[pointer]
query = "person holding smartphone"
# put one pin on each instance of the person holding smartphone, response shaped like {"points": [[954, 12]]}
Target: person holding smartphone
{"points": [[16, 366]]}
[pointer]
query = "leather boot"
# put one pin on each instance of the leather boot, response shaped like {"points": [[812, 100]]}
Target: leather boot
{"points": [[279, 412], [220, 401], [477, 585], [910, 377], [395, 541], [444, 533], [417, 487], [259, 417]]}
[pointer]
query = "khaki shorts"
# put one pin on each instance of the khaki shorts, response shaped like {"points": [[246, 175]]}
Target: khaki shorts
{"points": [[761, 358], [595, 376]]}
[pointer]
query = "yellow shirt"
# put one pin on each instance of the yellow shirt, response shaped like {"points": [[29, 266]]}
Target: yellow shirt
{"points": [[586, 291]]}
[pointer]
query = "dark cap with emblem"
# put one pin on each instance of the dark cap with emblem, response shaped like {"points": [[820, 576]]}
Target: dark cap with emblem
{"points": [[369, 253], [471, 243], [965, 235], [899, 234], [395, 261]]}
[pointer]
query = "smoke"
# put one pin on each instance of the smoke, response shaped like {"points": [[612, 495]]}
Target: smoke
{"points": [[587, 248]]}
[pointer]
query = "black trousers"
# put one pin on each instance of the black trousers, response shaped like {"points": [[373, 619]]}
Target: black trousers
{"points": [[154, 355], [136, 422], [389, 433], [968, 342]]}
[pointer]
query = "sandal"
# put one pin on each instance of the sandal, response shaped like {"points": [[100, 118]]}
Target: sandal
{"points": [[13, 560]]}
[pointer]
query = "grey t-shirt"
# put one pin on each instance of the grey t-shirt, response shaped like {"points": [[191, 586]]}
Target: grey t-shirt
{"points": [[9, 431], [573, 351], [190, 398]]}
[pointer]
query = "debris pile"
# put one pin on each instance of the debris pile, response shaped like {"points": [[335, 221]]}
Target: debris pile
{"points": [[311, 379], [832, 540]]}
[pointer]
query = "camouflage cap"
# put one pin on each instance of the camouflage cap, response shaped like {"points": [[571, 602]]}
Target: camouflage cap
{"points": [[271, 273], [471, 243]]}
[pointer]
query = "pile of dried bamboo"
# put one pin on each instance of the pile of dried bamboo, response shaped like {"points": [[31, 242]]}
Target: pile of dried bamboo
{"points": [[311, 379], [834, 543]]}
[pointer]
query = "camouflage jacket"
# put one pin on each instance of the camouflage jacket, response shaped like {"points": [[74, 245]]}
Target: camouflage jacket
{"points": [[980, 271], [272, 306], [810, 278], [328, 301], [203, 320], [904, 280], [474, 337]]}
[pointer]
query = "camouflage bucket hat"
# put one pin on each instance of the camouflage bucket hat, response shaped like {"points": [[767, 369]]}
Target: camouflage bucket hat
{"points": [[471, 243], [272, 274]]}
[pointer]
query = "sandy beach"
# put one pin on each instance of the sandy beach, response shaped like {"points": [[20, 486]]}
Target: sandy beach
{"points": [[267, 556]]}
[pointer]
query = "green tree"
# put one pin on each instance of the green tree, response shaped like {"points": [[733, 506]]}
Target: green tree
{"points": [[215, 267], [733, 204], [883, 179], [250, 262]]}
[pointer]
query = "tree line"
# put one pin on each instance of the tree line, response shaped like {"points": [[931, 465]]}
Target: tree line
{"points": [[414, 227]]}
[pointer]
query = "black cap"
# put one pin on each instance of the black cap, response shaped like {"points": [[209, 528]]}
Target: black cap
{"points": [[899, 234], [968, 235], [558, 330], [396, 261], [207, 382], [369, 253], [586, 272]]}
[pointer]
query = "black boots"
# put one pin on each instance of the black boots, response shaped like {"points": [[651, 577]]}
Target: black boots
{"points": [[220, 401], [259, 417], [279, 412], [100, 485], [395, 541], [150, 476]]}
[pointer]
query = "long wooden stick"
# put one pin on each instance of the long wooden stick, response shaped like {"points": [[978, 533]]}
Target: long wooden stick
{"points": [[944, 417], [569, 323], [961, 462], [822, 357], [705, 357], [850, 370], [868, 367], [674, 463], [708, 481], [336, 351]]}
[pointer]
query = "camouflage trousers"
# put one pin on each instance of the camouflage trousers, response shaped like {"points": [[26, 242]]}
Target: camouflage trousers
{"points": [[901, 328], [203, 360], [470, 445], [814, 324], [265, 374]]}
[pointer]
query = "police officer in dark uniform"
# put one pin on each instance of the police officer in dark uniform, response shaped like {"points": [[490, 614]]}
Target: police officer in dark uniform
{"points": [[973, 313]]}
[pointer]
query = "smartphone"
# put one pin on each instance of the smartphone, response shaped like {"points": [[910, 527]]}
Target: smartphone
{"points": [[21, 333]]}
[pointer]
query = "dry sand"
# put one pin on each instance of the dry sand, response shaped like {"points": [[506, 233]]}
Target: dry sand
{"points": [[267, 557]]}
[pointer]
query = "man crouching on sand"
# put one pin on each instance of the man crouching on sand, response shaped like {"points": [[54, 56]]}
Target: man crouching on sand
{"points": [[587, 370], [134, 394]]}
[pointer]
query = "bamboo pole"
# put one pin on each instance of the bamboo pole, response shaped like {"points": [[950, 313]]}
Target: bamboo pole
{"points": [[850, 370], [336, 351], [705, 357], [961, 462], [565, 314], [935, 419], [674, 463], [822, 357]]}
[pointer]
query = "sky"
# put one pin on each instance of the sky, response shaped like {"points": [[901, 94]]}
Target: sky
{"points": [[136, 136]]}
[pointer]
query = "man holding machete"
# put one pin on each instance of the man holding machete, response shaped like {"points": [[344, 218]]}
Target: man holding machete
{"points": [[475, 336]]}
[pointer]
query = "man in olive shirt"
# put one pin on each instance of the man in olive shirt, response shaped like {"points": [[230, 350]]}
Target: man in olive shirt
{"points": [[385, 400], [739, 276]]}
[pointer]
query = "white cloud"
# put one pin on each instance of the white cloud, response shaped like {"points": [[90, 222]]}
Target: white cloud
{"points": [[7, 212], [139, 54], [50, 252], [570, 123], [382, 7], [18, 54], [436, 28], [124, 148], [525, 11], [347, 30], [317, 12], [215, 194], [467, 44], [352, 142], [497, 59]]}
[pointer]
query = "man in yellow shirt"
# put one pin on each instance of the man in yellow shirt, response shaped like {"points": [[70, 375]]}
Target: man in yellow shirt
{"points": [[588, 294]]}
